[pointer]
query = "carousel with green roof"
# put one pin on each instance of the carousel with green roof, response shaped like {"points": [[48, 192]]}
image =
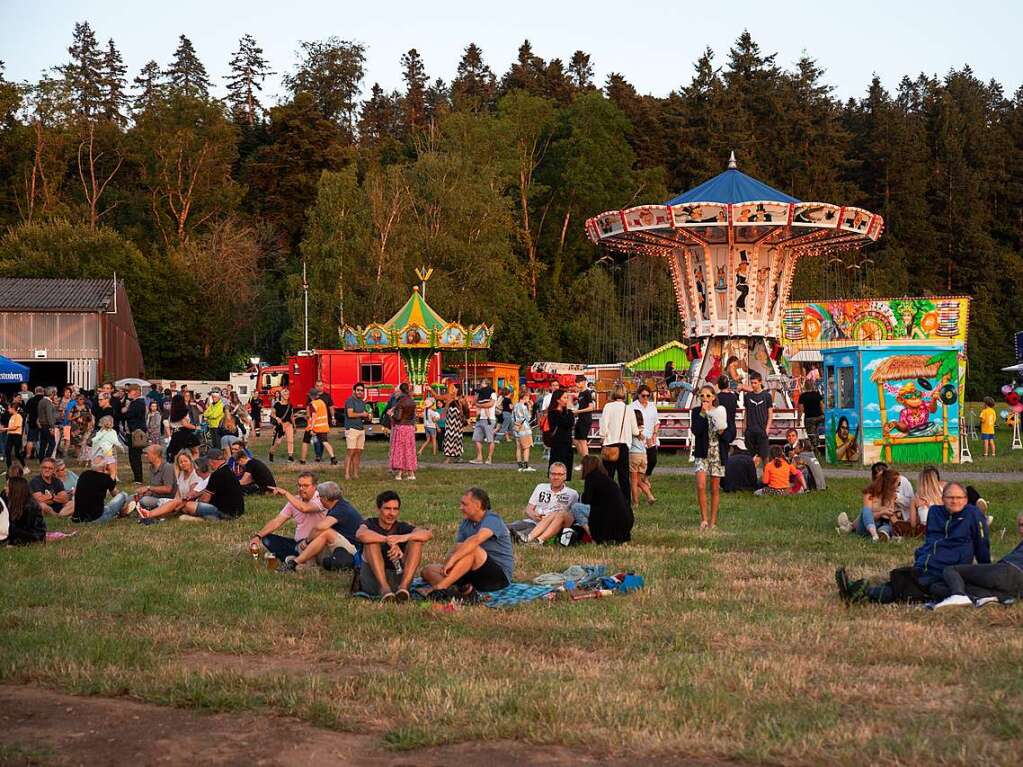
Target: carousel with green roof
{"points": [[417, 332]]}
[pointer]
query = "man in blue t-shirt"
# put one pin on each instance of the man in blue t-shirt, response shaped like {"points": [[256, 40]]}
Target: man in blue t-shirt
{"points": [[332, 543], [482, 558]]}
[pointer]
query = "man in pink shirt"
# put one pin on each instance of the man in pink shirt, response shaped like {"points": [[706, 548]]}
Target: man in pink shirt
{"points": [[306, 511]]}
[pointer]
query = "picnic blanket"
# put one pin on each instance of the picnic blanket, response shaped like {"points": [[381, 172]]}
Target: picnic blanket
{"points": [[509, 596]]}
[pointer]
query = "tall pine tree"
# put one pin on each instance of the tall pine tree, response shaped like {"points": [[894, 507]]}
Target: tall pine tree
{"points": [[149, 86], [331, 71], [474, 89], [413, 102], [248, 71], [83, 75], [114, 97], [186, 74]]}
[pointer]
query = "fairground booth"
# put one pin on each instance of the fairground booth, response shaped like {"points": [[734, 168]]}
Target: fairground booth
{"points": [[893, 371]]}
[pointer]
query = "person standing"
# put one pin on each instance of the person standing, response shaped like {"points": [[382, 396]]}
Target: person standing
{"points": [[708, 423], [585, 404], [729, 400], [255, 406], [282, 415], [31, 446], [135, 419], [617, 428], [214, 415], [811, 407], [644, 404], [560, 424], [46, 422], [455, 420], [483, 431], [318, 427], [431, 416], [987, 426], [758, 412], [521, 416], [404, 460], [357, 415]]}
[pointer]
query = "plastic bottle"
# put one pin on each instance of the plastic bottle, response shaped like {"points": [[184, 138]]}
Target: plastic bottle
{"points": [[398, 569]]}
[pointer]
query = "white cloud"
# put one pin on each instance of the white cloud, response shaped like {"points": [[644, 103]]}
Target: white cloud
{"points": [[871, 407]]}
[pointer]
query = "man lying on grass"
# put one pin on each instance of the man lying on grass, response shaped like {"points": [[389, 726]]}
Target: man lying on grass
{"points": [[482, 559], [957, 533], [391, 550], [304, 509], [332, 543], [549, 510]]}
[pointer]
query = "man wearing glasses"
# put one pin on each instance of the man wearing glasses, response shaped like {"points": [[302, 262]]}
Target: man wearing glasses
{"points": [[644, 403], [957, 534]]}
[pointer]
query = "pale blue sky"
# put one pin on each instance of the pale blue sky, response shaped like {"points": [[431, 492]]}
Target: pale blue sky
{"points": [[654, 44]]}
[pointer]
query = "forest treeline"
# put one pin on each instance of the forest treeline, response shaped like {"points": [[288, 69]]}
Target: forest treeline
{"points": [[209, 206]]}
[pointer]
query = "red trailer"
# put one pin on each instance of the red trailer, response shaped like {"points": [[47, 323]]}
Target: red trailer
{"points": [[382, 372]]}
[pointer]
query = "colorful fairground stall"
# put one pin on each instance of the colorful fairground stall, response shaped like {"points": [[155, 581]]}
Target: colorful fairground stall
{"points": [[896, 402], [732, 245]]}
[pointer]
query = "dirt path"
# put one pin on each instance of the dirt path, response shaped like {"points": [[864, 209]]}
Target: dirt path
{"points": [[42, 727]]}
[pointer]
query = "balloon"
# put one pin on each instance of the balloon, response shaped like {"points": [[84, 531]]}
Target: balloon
{"points": [[1018, 408], [1007, 388], [1019, 390], [1012, 399], [1004, 414]]}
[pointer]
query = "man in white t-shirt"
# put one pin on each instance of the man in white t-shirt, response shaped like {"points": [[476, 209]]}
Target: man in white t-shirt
{"points": [[305, 509], [644, 403], [549, 510]]}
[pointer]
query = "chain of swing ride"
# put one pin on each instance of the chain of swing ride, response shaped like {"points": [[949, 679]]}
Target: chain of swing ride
{"points": [[846, 275], [638, 312]]}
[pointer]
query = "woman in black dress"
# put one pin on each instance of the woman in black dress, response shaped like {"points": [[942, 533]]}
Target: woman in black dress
{"points": [[611, 519], [560, 424]]}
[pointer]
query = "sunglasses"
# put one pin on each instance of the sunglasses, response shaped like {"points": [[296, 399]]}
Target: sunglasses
{"points": [[706, 396]]}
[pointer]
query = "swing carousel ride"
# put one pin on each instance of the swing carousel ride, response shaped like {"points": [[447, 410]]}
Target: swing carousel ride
{"points": [[731, 245]]}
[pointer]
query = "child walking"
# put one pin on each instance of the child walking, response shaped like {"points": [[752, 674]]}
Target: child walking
{"points": [[104, 442]]}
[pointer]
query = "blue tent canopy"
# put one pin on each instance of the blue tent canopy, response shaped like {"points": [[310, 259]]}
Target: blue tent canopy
{"points": [[12, 372], [730, 187]]}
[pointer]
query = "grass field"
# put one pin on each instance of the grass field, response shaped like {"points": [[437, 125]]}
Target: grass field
{"points": [[738, 648]]}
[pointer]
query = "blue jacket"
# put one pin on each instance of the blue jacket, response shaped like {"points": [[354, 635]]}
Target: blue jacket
{"points": [[953, 539]]}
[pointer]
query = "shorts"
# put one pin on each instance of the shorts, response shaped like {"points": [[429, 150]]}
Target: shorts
{"points": [[338, 551], [307, 436], [714, 468], [32, 434], [637, 462], [581, 513], [483, 431], [355, 439], [368, 581], [987, 437], [489, 577], [525, 440], [430, 431], [581, 430], [757, 443]]}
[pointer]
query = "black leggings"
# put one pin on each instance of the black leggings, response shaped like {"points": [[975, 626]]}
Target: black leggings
{"points": [[14, 450], [995, 580]]}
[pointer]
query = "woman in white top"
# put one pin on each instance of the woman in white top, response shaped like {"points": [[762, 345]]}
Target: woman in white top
{"points": [[187, 483], [617, 429], [430, 418], [928, 493]]}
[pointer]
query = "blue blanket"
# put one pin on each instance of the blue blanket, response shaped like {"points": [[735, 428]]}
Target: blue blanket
{"points": [[509, 596]]}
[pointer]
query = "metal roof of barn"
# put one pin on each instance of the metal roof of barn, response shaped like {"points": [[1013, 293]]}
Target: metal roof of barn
{"points": [[25, 294]]}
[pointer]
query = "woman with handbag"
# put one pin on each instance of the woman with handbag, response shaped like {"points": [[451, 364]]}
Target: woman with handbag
{"points": [[560, 424], [708, 423], [617, 428]]}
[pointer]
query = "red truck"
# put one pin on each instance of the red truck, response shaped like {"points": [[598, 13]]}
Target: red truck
{"points": [[382, 372]]}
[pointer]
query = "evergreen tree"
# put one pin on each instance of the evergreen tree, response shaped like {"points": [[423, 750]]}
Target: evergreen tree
{"points": [[380, 118], [114, 97], [526, 74], [581, 71], [83, 75], [696, 144], [474, 89], [645, 133], [413, 102], [186, 74], [248, 71], [149, 86], [437, 100], [331, 71]]}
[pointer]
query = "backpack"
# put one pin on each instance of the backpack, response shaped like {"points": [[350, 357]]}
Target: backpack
{"points": [[546, 432]]}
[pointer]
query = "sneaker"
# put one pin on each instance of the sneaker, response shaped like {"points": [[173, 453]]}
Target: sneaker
{"points": [[529, 468], [476, 462], [130, 507], [884, 536], [270, 457], [577, 468], [844, 525], [956, 600], [985, 601], [402, 595], [388, 597], [521, 535], [291, 459], [488, 462], [287, 566]]}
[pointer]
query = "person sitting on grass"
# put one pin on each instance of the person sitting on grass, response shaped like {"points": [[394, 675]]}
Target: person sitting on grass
{"points": [[780, 477], [957, 534], [904, 496], [304, 509], [256, 476], [223, 498], [24, 522], [94, 484], [332, 544], [549, 510], [47, 490], [188, 485], [162, 482], [482, 559], [878, 513], [387, 545], [986, 584], [742, 471], [928, 493], [602, 512]]}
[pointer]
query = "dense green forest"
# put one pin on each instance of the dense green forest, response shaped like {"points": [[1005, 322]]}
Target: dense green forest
{"points": [[209, 206]]}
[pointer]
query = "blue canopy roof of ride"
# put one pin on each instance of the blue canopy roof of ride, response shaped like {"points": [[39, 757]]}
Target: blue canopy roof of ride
{"points": [[730, 187]]}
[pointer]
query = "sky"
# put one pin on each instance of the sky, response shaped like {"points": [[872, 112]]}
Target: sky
{"points": [[654, 44]]}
